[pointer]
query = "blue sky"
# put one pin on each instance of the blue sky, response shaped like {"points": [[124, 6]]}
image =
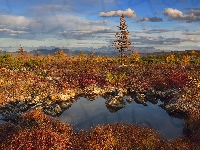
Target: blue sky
{"points": [[162, 24]]}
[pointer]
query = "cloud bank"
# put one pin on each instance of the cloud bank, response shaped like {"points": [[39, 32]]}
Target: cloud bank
{"points": [[174, 14], [151, 19], [127, 13]]}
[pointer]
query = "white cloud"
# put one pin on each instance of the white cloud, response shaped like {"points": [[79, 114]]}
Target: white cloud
{"points": [[12, 34], [191, 33], [151, 19], [12, 31], [19, 21], [192, 39], [153, 31], [174, 14], [6, 30], [145, 19], [49, 26], [196, 12], [81, 34], [128, 13]]}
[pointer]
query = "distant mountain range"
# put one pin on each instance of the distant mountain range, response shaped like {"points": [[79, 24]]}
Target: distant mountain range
{"points": [[45, 52], [102, 51]]}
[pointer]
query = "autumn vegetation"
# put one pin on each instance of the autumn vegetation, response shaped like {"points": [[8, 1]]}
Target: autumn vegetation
{"points": [[25, 77], [35, 130], [45, 79]]}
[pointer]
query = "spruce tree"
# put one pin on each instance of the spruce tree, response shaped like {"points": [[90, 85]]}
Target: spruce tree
{"points": [[122, 43]]}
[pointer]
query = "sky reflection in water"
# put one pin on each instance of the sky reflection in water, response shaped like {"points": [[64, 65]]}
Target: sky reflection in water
{"points": [[84, 114]]}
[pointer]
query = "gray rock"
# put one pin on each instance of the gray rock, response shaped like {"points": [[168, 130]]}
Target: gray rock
{"points": [[129, 100], [57, 109], [65, 105], [116, 102]]}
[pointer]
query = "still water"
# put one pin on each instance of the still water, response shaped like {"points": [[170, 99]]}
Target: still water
{"points": [[84, 114]]}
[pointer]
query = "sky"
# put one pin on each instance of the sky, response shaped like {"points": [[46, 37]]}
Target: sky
{"points": [[162, 24]]}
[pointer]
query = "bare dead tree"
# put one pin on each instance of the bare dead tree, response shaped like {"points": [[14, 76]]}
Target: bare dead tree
{"points": [[122, 43]]}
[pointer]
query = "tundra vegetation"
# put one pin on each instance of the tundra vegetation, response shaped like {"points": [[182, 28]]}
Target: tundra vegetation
{"points": [[45, 79], [29, 85]]}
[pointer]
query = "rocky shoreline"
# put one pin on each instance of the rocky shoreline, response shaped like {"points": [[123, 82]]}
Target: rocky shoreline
{"points": [[55, 104]]}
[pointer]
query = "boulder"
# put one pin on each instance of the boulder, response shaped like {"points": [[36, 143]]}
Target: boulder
{"points": [[116, 101]]}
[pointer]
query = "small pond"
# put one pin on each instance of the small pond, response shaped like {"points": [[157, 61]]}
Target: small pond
{"points": [[84, 114]]}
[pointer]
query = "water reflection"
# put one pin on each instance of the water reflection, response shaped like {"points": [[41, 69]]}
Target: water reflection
{"points": [[2, 119], [84, 114]]}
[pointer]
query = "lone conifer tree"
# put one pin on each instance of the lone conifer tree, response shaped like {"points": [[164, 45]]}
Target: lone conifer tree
{"points": [[122, 43], [21, 51]]}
